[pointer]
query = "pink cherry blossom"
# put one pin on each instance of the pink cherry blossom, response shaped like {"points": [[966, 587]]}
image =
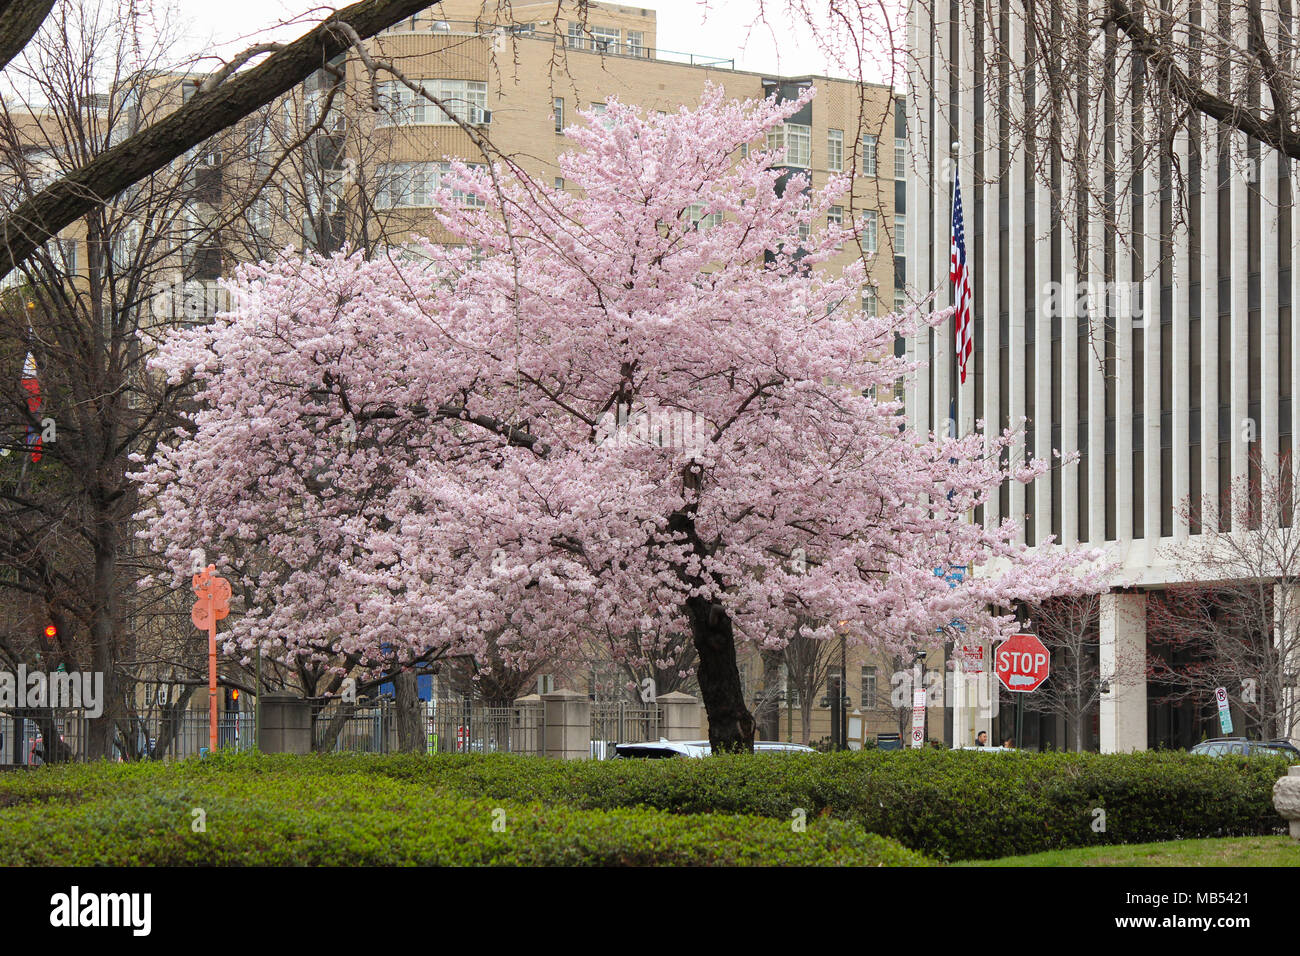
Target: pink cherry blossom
{"points": [[415, 455]]}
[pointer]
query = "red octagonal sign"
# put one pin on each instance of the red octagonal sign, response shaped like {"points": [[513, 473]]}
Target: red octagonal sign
{"points": [[1021, 663]]}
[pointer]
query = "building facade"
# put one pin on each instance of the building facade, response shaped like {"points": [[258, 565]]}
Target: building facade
{"points": [[1138, 316]]}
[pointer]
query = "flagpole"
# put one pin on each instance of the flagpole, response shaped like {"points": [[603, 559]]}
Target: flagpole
{"points": [[966, 718]]}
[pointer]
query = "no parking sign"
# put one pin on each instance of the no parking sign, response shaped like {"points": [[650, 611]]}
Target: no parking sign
{"points": [[1225, 713]]}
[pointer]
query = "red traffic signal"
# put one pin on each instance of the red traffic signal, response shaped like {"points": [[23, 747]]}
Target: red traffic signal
{"points": [[51, 630]]}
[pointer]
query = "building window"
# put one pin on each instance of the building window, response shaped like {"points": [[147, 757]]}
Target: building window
{"points": [[559, 114], [314, 103], [414, 185], [698, 219], [559, 183], [575, 37], [604, 39], [259, 215], [835, 150], [869, 231], [900, 303], [635, 43], [63, 255], [796, 140], [835, 217], [870, 301], [900, 235], [868, 688], [869, 155], [834, 685], [900, 159], [465, 100]]}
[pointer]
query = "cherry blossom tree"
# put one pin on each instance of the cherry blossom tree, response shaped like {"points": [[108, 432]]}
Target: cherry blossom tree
{"points": [[605, 408]]}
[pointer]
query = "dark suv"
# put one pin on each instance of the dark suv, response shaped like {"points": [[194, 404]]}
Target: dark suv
{"points": [[1219, 746]]}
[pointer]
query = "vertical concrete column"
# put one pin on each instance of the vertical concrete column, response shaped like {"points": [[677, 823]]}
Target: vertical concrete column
{"points": [[527, 736], [680, 716], [974, 698], [286, 725], [568, 725], [1123, 668], [1286, 637]]}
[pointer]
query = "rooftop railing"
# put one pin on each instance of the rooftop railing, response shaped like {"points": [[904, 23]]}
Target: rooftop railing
{"points": [[586, 43]]}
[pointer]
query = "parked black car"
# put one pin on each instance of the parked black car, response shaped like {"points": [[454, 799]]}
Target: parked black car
{"points": [[1220, 746]]}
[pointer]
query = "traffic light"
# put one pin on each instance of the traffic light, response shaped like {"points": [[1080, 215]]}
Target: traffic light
{"points": [[51, 631], [232, 699]]}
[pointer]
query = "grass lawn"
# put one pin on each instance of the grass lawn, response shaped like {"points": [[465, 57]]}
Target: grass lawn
{"points": [[1227, 851]]}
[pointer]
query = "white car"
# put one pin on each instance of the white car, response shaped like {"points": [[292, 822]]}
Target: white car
{"points": [[699, 748]]}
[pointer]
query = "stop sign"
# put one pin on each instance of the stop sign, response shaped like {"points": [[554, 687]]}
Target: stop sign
{"points": [[1021, 663]]}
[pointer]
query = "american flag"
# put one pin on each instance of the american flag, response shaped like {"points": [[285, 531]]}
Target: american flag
{"points": [[32, 386], [959, 273]]}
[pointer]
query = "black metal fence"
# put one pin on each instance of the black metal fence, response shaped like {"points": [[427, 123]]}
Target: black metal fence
{"points": [[33, 736]]}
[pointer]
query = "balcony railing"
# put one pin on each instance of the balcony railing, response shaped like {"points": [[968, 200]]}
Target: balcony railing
{"points": [[602, 46]]}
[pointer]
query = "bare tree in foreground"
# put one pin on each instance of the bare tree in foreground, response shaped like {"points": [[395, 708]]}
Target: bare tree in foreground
{"points": [[1236, 623], [1069, 629]]}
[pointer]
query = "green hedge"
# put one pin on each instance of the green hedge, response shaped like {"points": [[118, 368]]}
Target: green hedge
{"points": [[256, 815], [951, 805]]}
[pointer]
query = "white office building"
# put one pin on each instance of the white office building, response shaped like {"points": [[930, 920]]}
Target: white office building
{"points": [[1164, 403]]}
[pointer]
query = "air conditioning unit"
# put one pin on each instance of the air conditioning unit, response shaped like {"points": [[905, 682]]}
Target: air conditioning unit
{"points": [[479, 116]]}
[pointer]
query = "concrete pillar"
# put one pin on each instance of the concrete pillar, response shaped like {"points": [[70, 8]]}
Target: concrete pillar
{"points": [[527, 736], [1286, 638], [567, 714], [1123, 669], [680, 716], [286, 725]]}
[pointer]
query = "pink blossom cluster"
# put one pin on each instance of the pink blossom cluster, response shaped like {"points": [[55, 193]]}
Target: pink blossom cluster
{"points": [[406, 452]]}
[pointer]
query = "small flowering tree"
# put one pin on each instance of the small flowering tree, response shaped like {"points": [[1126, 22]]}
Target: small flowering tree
{"points": [[635, 407]]}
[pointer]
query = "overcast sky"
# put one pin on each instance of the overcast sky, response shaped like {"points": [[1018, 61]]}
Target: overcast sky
{"points": [[722, 28]]}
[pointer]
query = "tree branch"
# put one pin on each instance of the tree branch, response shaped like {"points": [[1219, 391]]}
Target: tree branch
{"points": [[208, 112], [19, 21]]}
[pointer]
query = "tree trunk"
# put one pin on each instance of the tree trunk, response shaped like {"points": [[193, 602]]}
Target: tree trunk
{"points": [[325, 741], [19, 21], [410, 729], [103, 729], [767, 718], [731, 726]]}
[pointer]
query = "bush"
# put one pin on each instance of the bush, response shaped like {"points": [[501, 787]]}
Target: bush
{"points": [[952, 805], [254, 814]]}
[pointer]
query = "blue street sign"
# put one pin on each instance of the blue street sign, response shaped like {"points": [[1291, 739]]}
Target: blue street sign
{"points": [[956, 574]]}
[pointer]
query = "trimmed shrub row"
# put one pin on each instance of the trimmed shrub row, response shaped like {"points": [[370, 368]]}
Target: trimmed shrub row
{"points": [[277, 817], [951, 805]]}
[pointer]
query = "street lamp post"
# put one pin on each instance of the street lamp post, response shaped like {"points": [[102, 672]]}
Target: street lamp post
{"points": [[843, 689], [925, 711]]}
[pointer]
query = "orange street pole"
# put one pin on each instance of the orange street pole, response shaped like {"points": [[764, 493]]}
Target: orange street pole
{"points": [[213, 604], [212, 673]]}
